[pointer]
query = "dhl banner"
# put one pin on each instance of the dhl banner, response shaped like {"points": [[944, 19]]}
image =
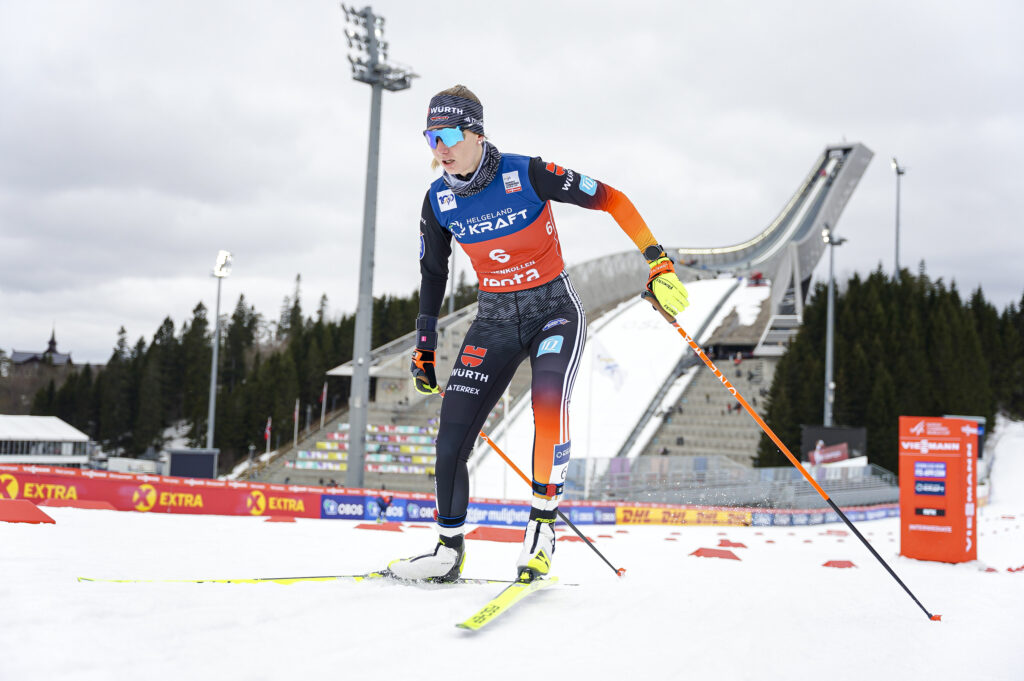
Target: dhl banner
{"points": [[635, 515], [158, 493]]}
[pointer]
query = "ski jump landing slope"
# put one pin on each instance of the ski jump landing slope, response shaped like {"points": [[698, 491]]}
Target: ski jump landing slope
{"points": [[607, 403]]}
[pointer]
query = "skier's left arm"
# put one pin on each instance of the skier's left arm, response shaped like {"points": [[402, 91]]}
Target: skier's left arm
{"points": [[555, 183]]}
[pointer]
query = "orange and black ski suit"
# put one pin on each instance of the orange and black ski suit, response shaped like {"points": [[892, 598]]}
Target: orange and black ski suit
{"points": [[527, 308]]}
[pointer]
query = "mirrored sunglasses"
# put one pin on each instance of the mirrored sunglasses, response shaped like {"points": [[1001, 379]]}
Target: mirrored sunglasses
{"points": [[450, 136]]}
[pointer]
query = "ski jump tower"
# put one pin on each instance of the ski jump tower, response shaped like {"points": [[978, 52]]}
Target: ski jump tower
{"points": [[788, 249]]}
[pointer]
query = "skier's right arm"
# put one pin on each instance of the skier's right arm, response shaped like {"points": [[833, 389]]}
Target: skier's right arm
{"points": [[435, 249]]}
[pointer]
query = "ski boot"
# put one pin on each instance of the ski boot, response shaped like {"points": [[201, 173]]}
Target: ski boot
{"points": [[444, 564], [538, 546]]}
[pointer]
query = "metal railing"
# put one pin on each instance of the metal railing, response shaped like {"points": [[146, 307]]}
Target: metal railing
{"points": [[717, 481]]}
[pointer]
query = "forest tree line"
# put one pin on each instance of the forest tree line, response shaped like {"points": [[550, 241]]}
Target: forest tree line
{"points": [[905, 346], [263, 366]]}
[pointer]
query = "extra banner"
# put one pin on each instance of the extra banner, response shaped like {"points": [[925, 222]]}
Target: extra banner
{"points": [[938, 489], [157, 493]]}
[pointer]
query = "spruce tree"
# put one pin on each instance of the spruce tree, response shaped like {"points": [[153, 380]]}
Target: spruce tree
{"points": [[196, 354]]}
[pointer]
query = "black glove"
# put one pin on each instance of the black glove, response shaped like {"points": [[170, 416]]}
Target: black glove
{"points": [[423, 374]]}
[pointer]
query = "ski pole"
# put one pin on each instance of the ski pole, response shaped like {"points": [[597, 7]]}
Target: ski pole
{"points": [[618, 571], [649, 297]]}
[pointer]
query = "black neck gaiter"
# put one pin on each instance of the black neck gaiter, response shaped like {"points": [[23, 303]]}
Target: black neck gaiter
{"points": [[485, 172]]}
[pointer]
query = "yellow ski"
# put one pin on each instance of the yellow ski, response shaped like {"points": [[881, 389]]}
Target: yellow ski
{"points": [[293, 580], [509, 596]]}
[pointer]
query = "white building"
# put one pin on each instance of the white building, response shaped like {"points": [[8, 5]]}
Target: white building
{"points": [[42, 440]]}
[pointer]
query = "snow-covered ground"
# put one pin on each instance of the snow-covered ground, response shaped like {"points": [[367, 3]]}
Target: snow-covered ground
{"points": [[776, 613]]}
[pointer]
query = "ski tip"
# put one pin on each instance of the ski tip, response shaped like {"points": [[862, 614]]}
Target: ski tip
{"points": [[621, 572], [936, 618]]}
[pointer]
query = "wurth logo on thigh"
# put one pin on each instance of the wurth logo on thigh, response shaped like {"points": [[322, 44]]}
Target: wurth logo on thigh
{"points": [[556, 169], [472, 356]]}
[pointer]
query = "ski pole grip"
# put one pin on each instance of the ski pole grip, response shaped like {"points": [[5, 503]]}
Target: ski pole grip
{"points": [[649, 297]]}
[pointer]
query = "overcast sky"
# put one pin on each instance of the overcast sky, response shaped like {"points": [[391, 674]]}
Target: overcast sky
{"points": [[139, 138]]}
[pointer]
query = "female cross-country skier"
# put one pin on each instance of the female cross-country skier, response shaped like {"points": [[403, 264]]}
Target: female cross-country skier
{"points": [[498, 208]]}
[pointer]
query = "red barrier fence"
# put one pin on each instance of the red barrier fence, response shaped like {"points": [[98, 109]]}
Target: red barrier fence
{"points": [[158, 493], [55, 486]]}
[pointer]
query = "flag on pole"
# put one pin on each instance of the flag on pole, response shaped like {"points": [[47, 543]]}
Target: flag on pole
{"points": [[266, 431], [606, 364]]}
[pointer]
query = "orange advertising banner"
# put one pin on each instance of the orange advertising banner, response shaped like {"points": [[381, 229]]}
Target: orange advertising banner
{"points": [[158, 493], [938, 489]]}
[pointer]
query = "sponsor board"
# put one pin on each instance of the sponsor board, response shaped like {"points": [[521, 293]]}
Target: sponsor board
{"points": [[497, 514], [157, 493], [164, 494], [591, 515], [938, 488], [345, 507], [632, 515]]}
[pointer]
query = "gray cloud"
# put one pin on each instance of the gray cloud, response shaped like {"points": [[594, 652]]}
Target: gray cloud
{"points": [[137, 139]]}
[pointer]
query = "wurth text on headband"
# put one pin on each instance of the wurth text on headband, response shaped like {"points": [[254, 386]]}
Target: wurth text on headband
{"points": [[452, 111]]}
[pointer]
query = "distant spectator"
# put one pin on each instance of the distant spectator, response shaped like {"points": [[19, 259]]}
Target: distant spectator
{"points": [[383, 502]]}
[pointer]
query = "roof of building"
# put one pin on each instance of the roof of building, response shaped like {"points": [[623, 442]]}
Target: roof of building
{"points": [[38, 429], [57, 358]]}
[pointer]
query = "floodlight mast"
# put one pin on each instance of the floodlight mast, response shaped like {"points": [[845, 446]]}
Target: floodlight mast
{"points": [[221, 269], [831, 240], [368, 56], [899, 170]]}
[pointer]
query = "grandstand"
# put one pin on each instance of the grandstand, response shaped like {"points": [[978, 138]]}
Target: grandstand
{"points": [[679, 416]]}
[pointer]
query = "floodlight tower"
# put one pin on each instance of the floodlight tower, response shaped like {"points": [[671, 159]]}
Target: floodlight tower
{"points": [[899, 170], [831, 241], [221, 270], [369, 58]]}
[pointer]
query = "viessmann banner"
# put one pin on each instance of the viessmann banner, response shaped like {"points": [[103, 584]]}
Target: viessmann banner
{"points": [[938, 488]]}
